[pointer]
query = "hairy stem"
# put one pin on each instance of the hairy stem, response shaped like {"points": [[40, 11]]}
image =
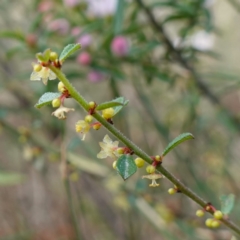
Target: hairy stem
{"points": [[139, 152]]}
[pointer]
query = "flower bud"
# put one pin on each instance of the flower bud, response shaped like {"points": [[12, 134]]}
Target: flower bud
{"points": [[218, 215], [120, 46], [199, 213], [139, 162], [114, 165], [84, 58], [37, 67], [56, 102], [91, 104], [61, 87], [208, 222], [215, 224], [88, 118], [172, 191], [120, 150], [96, 126], [53, 56], [158, 158], [150, 169], [108, 113]]}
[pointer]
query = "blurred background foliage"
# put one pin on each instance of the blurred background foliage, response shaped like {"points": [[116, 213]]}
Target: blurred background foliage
{"points": [[178, 64]]}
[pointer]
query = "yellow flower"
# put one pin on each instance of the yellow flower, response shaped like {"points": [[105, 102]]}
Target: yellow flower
{"points": [[109, 148], [44, 74], [82, 127], [59, 113], [153, 177]]}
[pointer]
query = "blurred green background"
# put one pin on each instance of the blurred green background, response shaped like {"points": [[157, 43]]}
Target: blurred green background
{"points": [[178, 64]]}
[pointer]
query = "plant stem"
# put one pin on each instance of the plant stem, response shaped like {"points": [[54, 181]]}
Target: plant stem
{"points": [[137, 151]]}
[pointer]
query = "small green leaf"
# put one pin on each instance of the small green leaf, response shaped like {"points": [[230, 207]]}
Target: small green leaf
{"points": [[40, 57], [121, 100], [7, 178], [181, 138], [69, 50], [13, 35], [47, 98], [227, 203], [114, 103], [126, 166], [118, 20]]}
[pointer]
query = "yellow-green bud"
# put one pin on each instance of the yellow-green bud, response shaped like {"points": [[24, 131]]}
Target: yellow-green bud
{"points": [[120, 150], [53, 56], [61, 87], [108, 113], [88, 118], [150, 169], [91, 104], [96, 126], [171, 191], [37, 67], [56, 102], [208, 222], [215, 224], [158, 158], [114, 165], [139, 162], [218, 215], [199, 213]]}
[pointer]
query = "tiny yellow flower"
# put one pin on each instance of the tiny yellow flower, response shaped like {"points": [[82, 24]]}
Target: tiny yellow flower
{"points": [[153, 177], [44, 74], [82, 127], [59, 113], [109, 148]]}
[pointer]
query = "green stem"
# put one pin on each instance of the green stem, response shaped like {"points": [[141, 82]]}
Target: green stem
{"points": [[71, 208], [184, 189]]}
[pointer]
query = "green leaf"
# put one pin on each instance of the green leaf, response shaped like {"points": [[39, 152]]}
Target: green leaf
{"points": [[126, 166], [114, 103], [13, 35], [227, 203], [69, 50], [181, 138], [121, 100], [47, 98], [7, 178], [118, 20]]}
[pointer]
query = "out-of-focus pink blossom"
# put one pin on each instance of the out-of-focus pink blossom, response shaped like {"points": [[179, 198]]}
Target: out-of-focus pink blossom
{"points": [[85, 40], [95, 76], [102, 8], [45, 6], [31, 40], [71, 3], [60, 25], [84, 58], [76, 31], [120, 46]]}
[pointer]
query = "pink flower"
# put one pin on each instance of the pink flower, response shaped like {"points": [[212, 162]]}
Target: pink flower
{"points": [[45, 6], [120, 46], [102, 8], [84, 58], [95, 76], [59, 25], [85, 40], [76, 31], [71, 3]]}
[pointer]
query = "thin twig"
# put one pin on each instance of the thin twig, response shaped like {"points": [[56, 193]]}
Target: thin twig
{"points": [[184, 63]]}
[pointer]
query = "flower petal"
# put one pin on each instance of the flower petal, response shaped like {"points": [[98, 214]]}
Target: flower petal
{"points": [[107, 139], [102, 154]]}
